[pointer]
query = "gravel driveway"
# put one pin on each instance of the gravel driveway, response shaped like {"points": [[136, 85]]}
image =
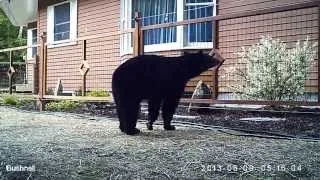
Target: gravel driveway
{"points": [[68, 146]]}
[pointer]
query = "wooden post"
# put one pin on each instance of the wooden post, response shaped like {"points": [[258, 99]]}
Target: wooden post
{"points": [[84, 68], [84, 50], [42, 65], [141, 40], [10, 72], [84, 87], [138, 44], [84, 79], [45, 69], [215, 81], [318, 54], [41, 72]]}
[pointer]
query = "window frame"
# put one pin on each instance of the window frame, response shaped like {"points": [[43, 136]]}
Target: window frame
{"points": [[201, 44], [181, 42], [30, 43], [73, 25]]}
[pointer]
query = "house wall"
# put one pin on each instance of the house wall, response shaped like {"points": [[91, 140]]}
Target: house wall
{"points": [[94, 18], [103, 16], [236, 6], [31, 74]]}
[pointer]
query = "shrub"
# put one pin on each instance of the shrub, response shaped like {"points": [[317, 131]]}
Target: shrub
{"points": [[17, 101], [99, 93], [10, 100], [65, 105], [270, 71]]}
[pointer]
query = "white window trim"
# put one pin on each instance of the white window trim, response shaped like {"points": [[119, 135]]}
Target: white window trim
{"points": [[125, 24], [180, 44], [203, 45], [73, 25], [29, 43]]}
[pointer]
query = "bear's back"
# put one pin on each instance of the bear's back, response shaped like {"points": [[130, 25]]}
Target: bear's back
{"points": [[148, 66], [148, 73]]}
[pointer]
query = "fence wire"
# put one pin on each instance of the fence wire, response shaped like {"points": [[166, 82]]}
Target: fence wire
{"points": [[22, 72], [102, 56], [105, 53]]}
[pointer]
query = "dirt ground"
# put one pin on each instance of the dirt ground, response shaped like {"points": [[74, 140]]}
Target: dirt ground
{"points": [[70, 146]]}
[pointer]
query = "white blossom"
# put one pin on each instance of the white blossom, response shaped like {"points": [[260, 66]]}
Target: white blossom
{"points": [[271, 71]]}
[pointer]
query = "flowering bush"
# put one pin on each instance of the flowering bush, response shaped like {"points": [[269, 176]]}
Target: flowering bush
{"points": [[271, 71]]}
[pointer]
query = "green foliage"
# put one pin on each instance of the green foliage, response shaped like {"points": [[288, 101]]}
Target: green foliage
{"points": [[99, 93], [9, 33], [13, 100], [10, 100], [9, 38], [271, 71], [65, 105]]}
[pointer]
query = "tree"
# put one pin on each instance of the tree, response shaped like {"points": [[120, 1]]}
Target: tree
{"points": [[9, 37], [271, 71], [9, 33]]}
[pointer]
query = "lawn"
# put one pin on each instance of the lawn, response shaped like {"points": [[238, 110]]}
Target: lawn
{"points": [[70, 146]]}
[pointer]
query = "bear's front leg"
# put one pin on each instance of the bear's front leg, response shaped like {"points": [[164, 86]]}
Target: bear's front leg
{"points": [[168, 109], [153, 112]]}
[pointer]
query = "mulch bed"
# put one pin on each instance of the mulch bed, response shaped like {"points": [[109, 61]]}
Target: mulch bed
{"points": [[297, 121]]}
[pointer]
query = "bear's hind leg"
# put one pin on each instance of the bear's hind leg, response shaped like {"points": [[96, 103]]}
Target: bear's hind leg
{"points": [[131, 111], [153, 112], [121, 115], [120, 111], [168, 109]]}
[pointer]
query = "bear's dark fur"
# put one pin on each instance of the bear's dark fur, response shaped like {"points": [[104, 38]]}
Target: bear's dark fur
{"points": [[157, 79]]}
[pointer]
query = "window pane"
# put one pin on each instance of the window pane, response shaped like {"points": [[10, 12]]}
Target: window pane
{"points": [[62, 13], [201, 32], [62, 22], [157, 12], [34, 36], [34, 42]]}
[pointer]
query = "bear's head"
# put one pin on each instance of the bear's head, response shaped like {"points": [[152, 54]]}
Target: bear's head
{"points": [[196, 63]]}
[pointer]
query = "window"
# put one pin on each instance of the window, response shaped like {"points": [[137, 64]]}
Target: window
{"points": [[32, 40], [156, 12], [62, 22], [201, 32], [166, 11]]}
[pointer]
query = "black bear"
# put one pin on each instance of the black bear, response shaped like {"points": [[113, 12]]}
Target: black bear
{"points": [[157, 79]]}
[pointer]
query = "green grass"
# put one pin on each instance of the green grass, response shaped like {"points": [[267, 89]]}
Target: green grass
{"points": [[15, 100], [10, 100], [98, 93], [65, 105]]}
